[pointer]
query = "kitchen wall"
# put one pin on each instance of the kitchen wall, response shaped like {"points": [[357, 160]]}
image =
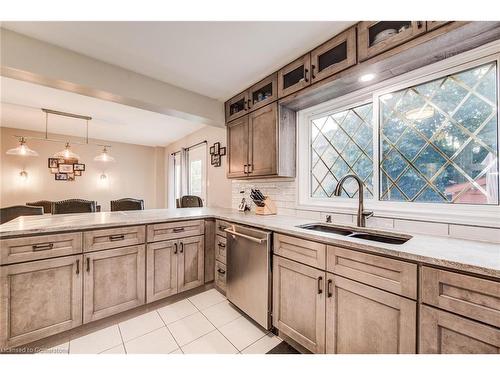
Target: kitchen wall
{"points": [[283, 192], [218, 186], [138, 172]]}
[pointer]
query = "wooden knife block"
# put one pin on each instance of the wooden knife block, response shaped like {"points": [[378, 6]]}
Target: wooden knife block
{"points": [[269, 208]]}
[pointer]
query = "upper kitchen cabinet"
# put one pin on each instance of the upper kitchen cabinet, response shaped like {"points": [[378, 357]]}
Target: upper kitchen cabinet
{"points": [[262, 144], [294, 76], [377, 37], [264, 92], [237, 106], [337, 54]]}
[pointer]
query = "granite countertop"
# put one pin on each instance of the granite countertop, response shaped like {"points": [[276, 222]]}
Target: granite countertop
{"points": [[470, 256]]}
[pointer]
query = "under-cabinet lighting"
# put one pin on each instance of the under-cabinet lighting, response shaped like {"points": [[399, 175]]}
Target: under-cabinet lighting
{"points": [[366, 77]]}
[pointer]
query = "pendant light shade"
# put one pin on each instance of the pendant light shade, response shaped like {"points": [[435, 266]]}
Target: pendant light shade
{"points": [[104, 156], [66, 153], [22, 149]]}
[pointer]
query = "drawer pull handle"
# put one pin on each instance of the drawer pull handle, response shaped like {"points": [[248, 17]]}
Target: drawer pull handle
{"points": [[78, 266], [222, 272], [42, 247], [117, 237], [88, 264], [178, 229], [182, 248], [175, 247], [222, 245], [329, 288], [320, 279], [222, 227]]}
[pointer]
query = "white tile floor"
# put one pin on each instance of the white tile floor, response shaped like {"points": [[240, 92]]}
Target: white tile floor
{"points": [[203, 323]]}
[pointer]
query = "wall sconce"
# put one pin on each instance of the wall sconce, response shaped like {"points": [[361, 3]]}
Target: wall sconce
{"points": [[103, 177], [23, 175]]}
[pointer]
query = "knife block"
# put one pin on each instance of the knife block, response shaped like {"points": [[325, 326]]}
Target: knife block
{"points": [[269, 208]]}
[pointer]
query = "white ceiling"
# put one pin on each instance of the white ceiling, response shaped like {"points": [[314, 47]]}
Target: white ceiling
{"points": [[216, 59], [21, 102]]}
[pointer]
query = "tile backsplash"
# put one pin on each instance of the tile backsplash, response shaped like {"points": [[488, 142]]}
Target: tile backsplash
{"points": [[283, 193]]}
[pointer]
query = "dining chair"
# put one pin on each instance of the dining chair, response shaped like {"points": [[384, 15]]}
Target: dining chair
{"points": [[73, 206], [10, 213], [47, 205], [190, 201], [127, 204]]}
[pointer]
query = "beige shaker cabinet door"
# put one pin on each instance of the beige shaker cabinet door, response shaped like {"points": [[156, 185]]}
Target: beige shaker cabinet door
{"points": [[161, 270], [40, 299], [190, 263], [364, 320], [114, 281], [444, 333], [237, 148], [299, 303], [263, 141]]}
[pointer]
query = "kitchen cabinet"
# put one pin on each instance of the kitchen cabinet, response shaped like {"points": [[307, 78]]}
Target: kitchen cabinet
{"points": [[263, 92], [261, 146], [294, 76], [114, 281], [361, 319], [103, 239], [175, 229], [299, 303], [237, 106], [40, 299], [308, 252], [190, 271], [444, 333], [335, 55], [372, 42], [161, 270]]}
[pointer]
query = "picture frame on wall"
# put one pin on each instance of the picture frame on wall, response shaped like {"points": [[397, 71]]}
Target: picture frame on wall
{"points": [[66, 168], [53, 162], [222, 151], [61, 177], [78, 167], [54, 170], [215, 160], [71, 176], [78, 172], [212, 150], [216, 147]]}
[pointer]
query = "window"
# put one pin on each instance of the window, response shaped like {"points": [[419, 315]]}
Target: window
{"points": [[197, 157], [417, 145]]}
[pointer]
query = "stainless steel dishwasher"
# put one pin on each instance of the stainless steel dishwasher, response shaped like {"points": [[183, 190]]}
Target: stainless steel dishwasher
{"points": [[249, 272]]}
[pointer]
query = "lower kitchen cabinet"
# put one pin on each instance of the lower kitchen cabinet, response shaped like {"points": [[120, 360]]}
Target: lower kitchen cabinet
{"points": [[114, 281], [40, 299], [161, 271], [361, 319], [190, 263], [445, 333], [299, 303]]}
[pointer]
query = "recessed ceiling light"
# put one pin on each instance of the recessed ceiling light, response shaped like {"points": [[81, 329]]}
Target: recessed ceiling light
{"points": [[366, 77]]}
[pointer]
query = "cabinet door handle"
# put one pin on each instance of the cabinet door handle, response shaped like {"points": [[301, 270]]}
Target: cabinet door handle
{"points": [[222, 227], [222, 272], [419, 24], [249, 103], [117, 237], [244, 170], [221, 245], [320, 279], [42, 247], [329, 288], [250, 168], [182, 248], [88, 264], [305, 75], [312, 71], [78, 266], [175, 247]]}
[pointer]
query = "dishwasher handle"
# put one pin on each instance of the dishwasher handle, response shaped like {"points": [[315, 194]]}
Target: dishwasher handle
{"points": [[234, 233]]}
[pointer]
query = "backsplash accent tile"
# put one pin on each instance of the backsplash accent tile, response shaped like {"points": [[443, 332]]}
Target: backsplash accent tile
{"points": [[283, 192]]}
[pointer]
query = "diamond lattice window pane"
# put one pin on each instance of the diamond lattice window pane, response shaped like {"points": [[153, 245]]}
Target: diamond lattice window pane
{"points": [[438, 140], [341, 143]]}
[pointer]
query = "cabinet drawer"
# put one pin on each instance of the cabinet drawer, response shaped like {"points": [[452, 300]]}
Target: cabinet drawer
{"points": [[178, 229], [384, 273], [220, 249], [220, 225], [113, 238], [16, 250], [465, 295], [220, 275], [303, 251]]}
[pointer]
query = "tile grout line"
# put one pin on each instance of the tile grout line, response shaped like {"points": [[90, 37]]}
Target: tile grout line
{"points": [[171, 334], [121, 336], [217, 329]]}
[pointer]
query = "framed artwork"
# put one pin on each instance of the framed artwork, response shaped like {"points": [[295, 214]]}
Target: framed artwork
{"points": [[65, 168], [215, 160], [212, 150], [78, 172], [54, 170], [71, 176], [61, 177], [222, 151], [216, 154], [78, 167], [216, 148], [53, 162]]}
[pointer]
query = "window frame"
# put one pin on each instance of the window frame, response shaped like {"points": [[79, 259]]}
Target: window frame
{"points": [[454, 213]]}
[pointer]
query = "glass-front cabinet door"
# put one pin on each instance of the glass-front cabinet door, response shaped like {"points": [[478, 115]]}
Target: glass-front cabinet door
{"points": [[264, 92], [237, 106], [294, 76], [333, 56], [377, 37]]}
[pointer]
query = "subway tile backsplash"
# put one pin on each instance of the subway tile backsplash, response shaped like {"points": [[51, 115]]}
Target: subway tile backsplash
{"points": [[283, 193]]}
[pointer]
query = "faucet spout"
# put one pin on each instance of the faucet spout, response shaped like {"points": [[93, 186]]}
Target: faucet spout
{"points": [[361, 219]]}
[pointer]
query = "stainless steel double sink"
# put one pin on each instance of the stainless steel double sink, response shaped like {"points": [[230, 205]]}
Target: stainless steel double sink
{"points": [[357, 232]]}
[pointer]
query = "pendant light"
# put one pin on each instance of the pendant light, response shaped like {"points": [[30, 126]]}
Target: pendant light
{"points": [[66, 153], [22, 149], [104, 156]]}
